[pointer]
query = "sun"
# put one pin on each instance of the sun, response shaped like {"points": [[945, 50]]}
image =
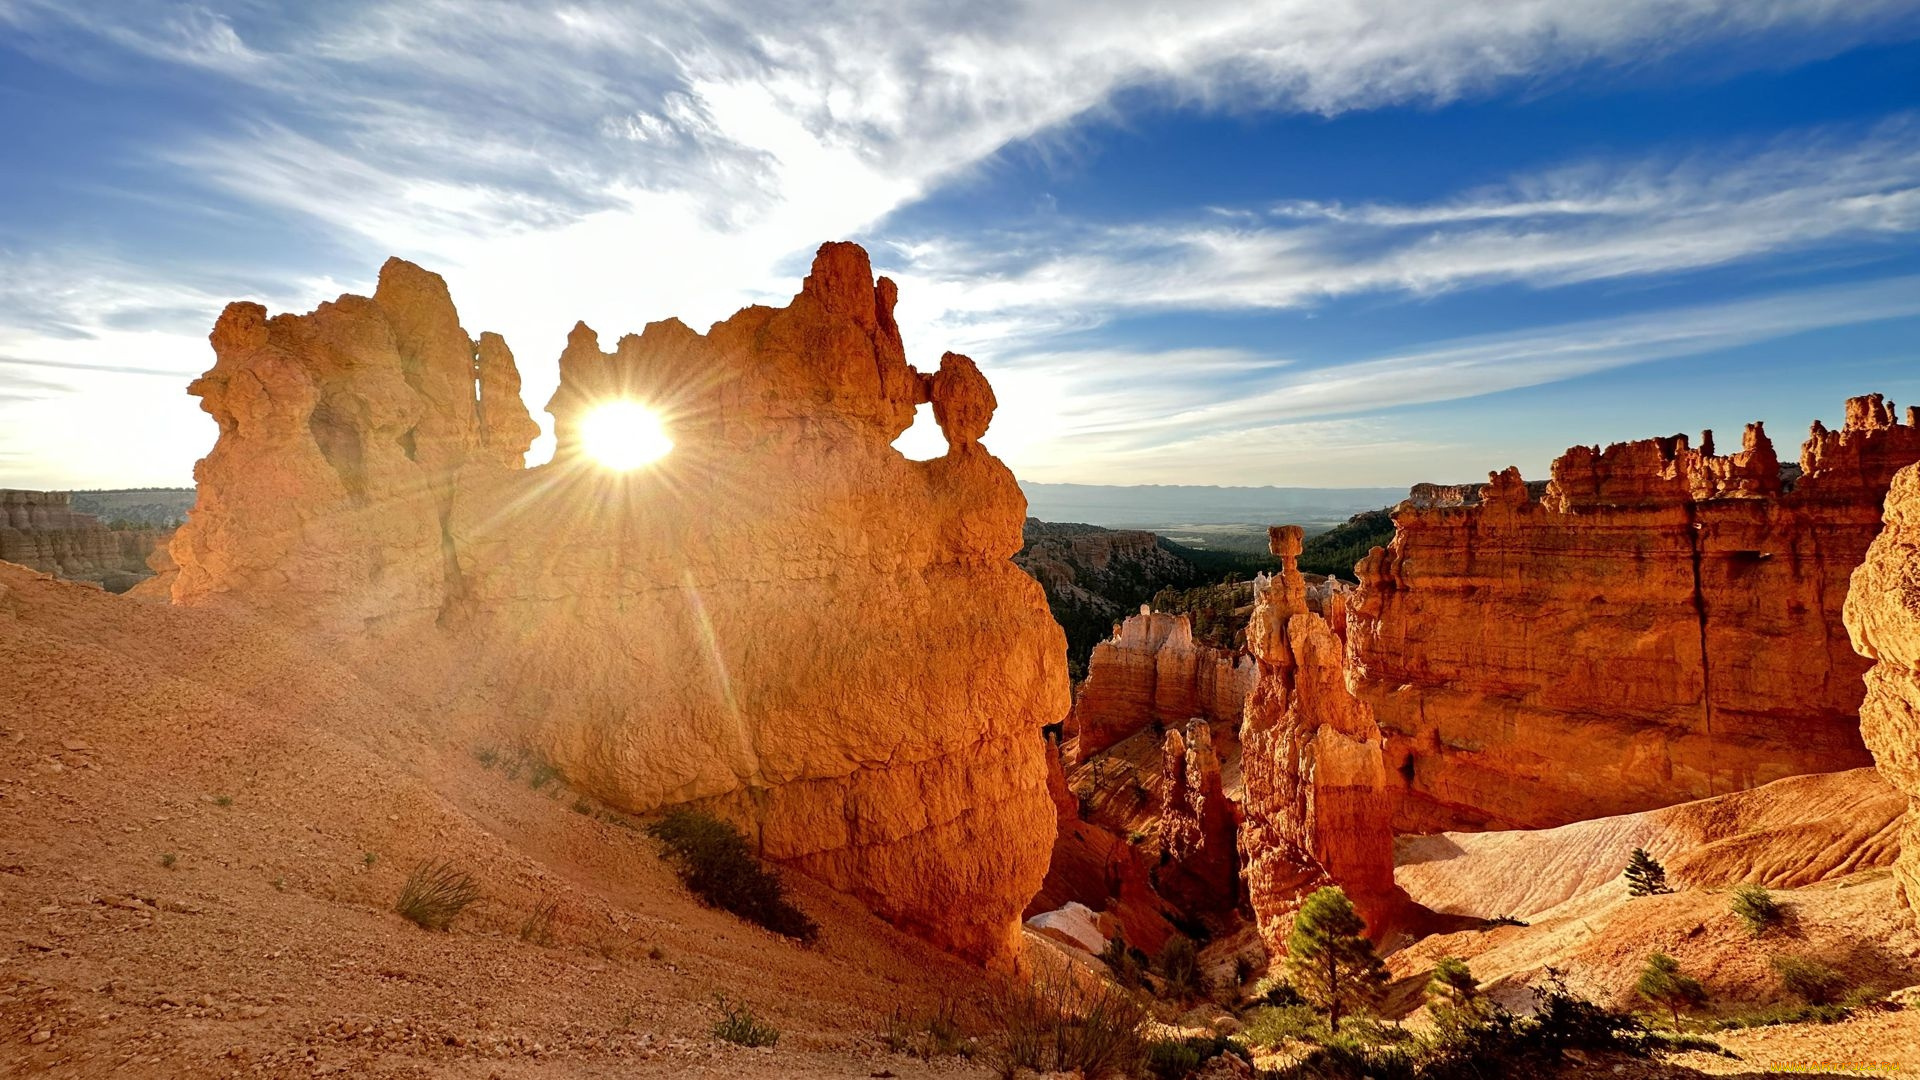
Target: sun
{"points": [[624, 435]]}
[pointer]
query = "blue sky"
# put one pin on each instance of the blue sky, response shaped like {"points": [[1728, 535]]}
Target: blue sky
{"points": [[1298, 242]]}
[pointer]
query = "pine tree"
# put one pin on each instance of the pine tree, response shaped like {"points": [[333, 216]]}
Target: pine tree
{"points": [[1453, 994], [1645, 876], [1663, 983], [1329, 959]]}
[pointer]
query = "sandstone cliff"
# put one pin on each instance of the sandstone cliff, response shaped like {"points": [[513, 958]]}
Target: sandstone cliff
{"points": [[1883, 617], [785, 619], [1152, 671], [41, 530], [1661, 624]]}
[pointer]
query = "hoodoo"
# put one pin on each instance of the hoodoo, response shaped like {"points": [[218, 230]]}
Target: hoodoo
{"points": [[784, 619], [1883, 617]]}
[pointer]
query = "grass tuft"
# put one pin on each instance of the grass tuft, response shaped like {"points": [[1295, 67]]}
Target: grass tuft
{"points": [[435, 893], [537, 927], [738, 1025]]}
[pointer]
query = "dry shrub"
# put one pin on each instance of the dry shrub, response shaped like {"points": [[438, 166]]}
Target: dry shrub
{"points": [[1056, 1023], [537, 927], [435, 893]]}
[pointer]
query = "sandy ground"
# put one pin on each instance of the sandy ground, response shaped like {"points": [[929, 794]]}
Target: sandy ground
{"points": [[292, 798]]}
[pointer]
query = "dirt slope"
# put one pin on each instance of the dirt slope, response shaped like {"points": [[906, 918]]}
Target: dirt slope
{"points": [[292, 796]]}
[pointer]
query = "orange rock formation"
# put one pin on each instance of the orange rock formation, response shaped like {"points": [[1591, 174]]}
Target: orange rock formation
{"points": [[1663, 624], [1317, 808], [1883, 617], [1201, 871], [1152, 670], [785, 619]]}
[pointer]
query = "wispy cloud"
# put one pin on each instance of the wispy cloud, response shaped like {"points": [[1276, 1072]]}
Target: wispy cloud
{"points": [[1242, 431], [1586, 222]]}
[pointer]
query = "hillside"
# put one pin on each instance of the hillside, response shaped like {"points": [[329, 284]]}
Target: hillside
{"points": [[204, 823]]}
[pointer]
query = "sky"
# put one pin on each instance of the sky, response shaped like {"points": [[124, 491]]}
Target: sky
{"points": [[1256, 242]]}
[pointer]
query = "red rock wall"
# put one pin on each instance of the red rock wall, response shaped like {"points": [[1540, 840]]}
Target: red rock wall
{"points": [[1662, 625], [784, 619], [1153, 671]]}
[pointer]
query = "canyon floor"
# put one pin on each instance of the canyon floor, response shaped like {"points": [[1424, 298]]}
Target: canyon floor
{"points": [[203, 826]]}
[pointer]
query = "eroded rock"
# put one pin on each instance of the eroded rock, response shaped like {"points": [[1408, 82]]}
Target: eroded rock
{"points": [[784, 620]]}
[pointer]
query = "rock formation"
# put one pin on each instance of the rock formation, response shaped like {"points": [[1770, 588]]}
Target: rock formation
{"points": [[41, 530], [1661, 624], [1317, 809], [1883, 617], [1201, 868], [784, 620], [1153, 671]]}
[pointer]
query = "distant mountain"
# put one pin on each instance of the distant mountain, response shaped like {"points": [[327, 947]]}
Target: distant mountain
{"points": [[1165, 507]]}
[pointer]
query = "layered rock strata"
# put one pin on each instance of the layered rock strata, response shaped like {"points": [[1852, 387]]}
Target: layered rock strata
{"points": [[1153, 671], [1661, 624], [784, 619], [42, 531], [1200, 871], [1883, 619]]}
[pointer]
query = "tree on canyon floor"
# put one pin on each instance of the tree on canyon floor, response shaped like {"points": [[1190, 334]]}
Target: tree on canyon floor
{"points": [[1663, 983], [1329, 959], [1645, 875]]}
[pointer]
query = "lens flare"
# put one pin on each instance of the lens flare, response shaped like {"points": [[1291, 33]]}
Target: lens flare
{"points": [[624, 435]]}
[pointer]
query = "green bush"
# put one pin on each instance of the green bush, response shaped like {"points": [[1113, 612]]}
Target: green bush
{"points": [[1809, 980], [738, 1025], [1756, 907], [1179, 964], [1124, 963], [1275, 1025], [1663, 983], [435, 893], [718, 866], [1176, 1059]]}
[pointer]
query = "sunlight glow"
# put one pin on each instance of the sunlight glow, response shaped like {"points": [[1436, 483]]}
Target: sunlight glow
{"points": [[623, 435]]}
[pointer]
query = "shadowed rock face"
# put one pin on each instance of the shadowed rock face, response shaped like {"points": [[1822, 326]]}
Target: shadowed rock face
{"points": [[1883, 617], [784, 619], [1662, 625]]}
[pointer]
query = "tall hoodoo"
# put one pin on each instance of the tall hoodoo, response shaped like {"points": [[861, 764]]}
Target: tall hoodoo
{"points": [[1883, 617], [1661, 624], [1313, 759], [784, 619]]}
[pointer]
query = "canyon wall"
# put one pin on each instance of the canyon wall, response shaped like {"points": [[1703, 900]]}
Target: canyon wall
{"points": [[1660, 624], [1883, 618], [42, 531], [784, 620], [1153, 671]]}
